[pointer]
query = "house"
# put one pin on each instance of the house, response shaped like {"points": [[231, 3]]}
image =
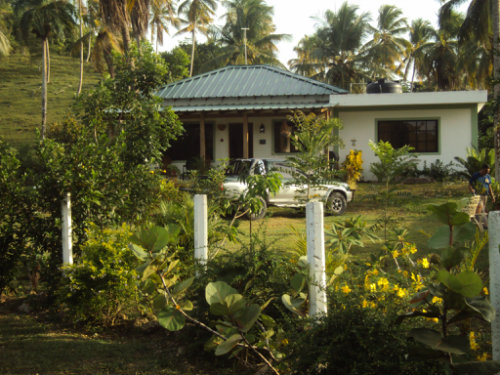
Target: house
{"points": [[241, 111]]}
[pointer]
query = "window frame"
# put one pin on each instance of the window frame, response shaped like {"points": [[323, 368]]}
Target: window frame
{"points": [[437, 121]]}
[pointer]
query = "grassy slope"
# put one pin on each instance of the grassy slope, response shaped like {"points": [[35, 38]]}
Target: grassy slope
{"points": [[20, 93]]}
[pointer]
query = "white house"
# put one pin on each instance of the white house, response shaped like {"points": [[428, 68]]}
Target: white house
{"points": [[241, 111]]}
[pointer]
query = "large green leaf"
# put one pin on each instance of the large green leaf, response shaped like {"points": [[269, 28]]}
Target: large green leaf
{"points": [[440, 239], [465, 232], [156, 238], [171, 319], [182, 286], [215, 292], [444, 212], [228, 345], [246, 318], [482, 306], [138, 251], [219, 309], [432, 338], [298, 282], [477, 368], [292, 304], [467, 283], [234, 303]]}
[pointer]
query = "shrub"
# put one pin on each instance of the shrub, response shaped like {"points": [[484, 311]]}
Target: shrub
{"points": [[352, 340], [101, 287]]}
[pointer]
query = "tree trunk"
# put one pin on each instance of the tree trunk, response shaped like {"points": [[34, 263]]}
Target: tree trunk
{"points": [[193, 40], [81, 48], [89, 46], [44, 87], [47, 65], [496, 69]]}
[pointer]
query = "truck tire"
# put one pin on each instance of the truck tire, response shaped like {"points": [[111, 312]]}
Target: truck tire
{"points": [[336, 203], [262, 212]]}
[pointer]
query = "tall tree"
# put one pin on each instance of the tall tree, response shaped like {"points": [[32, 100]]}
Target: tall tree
{"points": [[421, 33], [248, 35], [339, 40], [496, 70], [116, 16], [385, 51], [197, 16], [163, 14], [305, 63], [45, 19]]}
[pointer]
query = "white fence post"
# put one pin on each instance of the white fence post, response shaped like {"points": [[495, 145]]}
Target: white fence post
{"points": [[494, 259], [200, 230], [316, 259], [67, 244]]}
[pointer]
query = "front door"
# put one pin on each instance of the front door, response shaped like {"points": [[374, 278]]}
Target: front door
{"points": [[236, 140]]}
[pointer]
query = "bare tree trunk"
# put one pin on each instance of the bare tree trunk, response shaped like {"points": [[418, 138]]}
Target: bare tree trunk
{"points": [[89, 46], [496, 74], [81, 47], [44, 87], [47, 65], [193, 40]]}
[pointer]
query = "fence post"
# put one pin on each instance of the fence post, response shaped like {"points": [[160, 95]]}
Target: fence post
{"points": [[316, 259], [494, 260], [200, 230], [67, 244]]}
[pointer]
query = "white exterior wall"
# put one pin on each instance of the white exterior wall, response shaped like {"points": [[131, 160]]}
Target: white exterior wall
{"points": [[454, 132]]}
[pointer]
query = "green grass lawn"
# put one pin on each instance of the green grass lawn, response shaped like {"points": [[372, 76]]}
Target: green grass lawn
{"points": [[20, 93]]}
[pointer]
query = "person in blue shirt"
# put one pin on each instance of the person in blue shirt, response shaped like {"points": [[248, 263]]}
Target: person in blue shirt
{"points": [[480, 183]]}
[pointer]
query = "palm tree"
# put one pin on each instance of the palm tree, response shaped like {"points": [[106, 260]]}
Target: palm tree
{"points": [[339, 40], [197, 15], [45, 19], [139, 17], [442, 65], [421, 33], [384, 52], [117, 19], [248, 35], [162, 14], [305, 64]]}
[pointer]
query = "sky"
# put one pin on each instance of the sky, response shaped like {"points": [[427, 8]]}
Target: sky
{"points": [[299, 17]]}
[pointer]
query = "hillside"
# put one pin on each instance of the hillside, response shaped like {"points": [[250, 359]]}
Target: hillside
{"points": [[20, 93]]}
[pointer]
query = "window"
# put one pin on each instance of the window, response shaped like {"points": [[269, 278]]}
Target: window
{"points": [[282, 134], [422, 135]]}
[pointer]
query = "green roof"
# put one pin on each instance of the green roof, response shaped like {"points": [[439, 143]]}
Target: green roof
{"points": [[247, 87]]}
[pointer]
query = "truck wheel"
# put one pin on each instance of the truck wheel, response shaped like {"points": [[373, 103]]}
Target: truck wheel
{"points": [[336, 203], [261, 213]]}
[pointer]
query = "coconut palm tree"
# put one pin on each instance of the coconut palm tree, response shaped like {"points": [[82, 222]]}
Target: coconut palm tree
{"points": [[339, 40], [116, 17], [46, 19], [163, 14], [442, 63], [421, 33], [384, 52], [248, 35], [197, 15], [305, 64]]}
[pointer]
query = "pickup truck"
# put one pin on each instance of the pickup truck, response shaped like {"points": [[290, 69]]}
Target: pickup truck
{"points": [[335, 195]]}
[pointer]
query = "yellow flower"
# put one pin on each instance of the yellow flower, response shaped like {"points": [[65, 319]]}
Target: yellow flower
{"points": [[436, 300], [383, 283], [485, 291], [284, 341], [346, 289], [364, 304], [375, 272], [418, 283], [395, 254], [483, 357], [402, 293], [152, 172], [373, 287], [425, 263], [472, 341]]}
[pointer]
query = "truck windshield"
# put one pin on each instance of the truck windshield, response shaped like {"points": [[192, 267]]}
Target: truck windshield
{"points": [[238, 167]]}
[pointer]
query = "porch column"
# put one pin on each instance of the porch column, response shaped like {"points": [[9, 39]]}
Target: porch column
{"points": [[202, 139], [245, 136]]}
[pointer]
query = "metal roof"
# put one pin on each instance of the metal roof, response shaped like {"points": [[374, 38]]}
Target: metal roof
{"points": [[245, 81]]}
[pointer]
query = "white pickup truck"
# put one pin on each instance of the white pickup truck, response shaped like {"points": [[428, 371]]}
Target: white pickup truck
{"points": [[335, 195]]}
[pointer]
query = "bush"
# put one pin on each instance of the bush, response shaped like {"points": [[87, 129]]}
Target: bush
{"points": [[101, 288], [10, 214], [353, 340]]}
